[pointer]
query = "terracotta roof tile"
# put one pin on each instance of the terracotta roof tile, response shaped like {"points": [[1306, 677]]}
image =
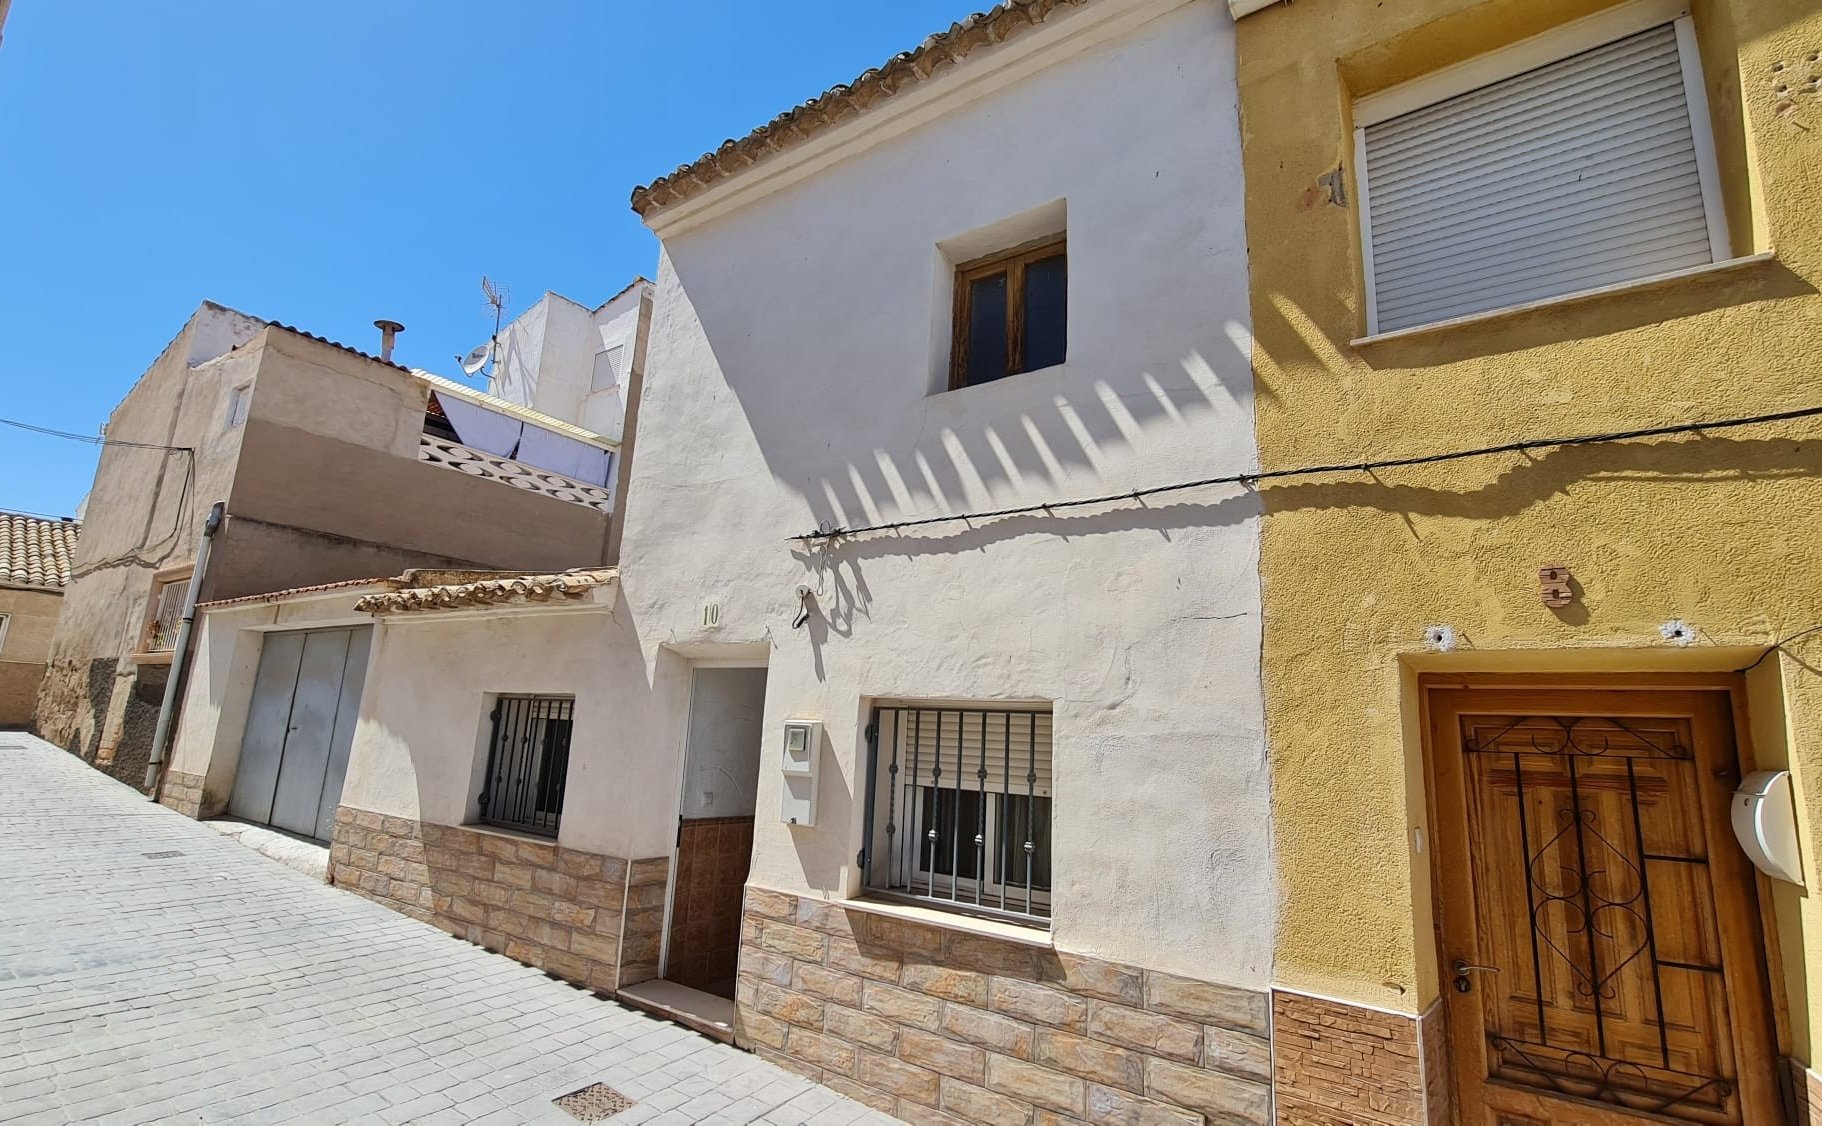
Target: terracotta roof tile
{"points": [[35, 551], [505, 589], [278, 595], [833, 106]]}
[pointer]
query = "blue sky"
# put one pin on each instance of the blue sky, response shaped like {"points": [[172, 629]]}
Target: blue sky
{"points": [[328, 163]]}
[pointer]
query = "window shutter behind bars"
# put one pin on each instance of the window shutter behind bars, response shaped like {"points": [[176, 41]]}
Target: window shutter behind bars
{"points": [[1001, 742], [1578, 174]]}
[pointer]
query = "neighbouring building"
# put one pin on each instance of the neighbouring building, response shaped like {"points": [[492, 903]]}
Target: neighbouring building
{"points": [[35, 558], [573, 362], [1509, 697], [332, 465], [969, 820]]}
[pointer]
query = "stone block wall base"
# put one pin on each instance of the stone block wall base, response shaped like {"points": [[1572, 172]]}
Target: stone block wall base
{"points": [[1340, 1063], [937, 1025], [592, 920], [181, 792]]}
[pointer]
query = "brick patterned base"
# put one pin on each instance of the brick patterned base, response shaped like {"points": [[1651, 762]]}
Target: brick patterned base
{"points": [[1338, 1064], [182, 792], [590, 919], [936, 1025]]}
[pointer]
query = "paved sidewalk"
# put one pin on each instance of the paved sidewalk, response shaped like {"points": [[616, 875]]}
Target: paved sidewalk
{"points": [[153, 970]]}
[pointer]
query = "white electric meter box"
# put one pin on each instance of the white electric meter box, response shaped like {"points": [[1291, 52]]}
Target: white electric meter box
{"points": [[801, 767], [1765, 821]]}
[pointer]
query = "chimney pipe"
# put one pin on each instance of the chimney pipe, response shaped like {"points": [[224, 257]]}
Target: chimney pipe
{"points": [[389, 331]]}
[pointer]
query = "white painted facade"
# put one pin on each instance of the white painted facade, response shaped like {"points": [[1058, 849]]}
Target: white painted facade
{"points": [[571, 362], [822, 405], [763, 417]]}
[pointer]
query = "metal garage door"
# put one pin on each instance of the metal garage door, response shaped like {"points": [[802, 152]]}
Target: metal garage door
{"points": [[300, 725]]}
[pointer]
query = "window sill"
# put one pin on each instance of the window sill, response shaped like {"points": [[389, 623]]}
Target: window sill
{"points": [[488, 829], [949, 920], [161, 657], [1511, 311], [1047, 369]]}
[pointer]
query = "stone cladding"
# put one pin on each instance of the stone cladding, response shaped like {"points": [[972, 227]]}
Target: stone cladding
{"points": [[590, 919], [933, 1024]]}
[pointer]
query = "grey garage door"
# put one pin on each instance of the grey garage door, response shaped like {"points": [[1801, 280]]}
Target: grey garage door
{"points": [[300, 725]]}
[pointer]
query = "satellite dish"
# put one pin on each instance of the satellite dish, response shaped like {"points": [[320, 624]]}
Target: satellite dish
{"points": [[477, 359]]}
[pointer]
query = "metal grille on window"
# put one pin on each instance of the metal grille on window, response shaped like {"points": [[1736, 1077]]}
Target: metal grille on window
{"points": [[161, 636], [959, 808], [527, 763]]}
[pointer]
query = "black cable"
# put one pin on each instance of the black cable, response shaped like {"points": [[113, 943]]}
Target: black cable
{"points": [[95, 440], [1776, 646], [1312, 470]]}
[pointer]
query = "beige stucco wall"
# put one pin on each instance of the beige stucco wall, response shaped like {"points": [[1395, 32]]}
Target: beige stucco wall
{"points": [[144, 512], [322, 484], [1718, 530], [31, 614]]}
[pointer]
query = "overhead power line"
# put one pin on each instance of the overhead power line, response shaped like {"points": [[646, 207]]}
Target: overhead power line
{"points": [[94, 439], [1313, 470]]}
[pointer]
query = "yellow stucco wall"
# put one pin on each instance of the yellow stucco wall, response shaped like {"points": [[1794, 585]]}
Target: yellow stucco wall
{"points": [[1721, 530]]}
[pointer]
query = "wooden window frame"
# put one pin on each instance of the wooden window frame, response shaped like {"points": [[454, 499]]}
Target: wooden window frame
{"points": [[1013, 263]]}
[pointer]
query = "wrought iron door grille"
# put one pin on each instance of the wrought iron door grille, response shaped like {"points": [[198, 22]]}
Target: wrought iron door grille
{"points": [[1594, 1001], [527, 763], [959, 808]]}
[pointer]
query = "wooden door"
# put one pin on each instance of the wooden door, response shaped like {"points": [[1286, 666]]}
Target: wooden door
{"points": [[1603, 959]]}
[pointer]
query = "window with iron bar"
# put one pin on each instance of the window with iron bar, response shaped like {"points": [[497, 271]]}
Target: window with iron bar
{"points": [[527, 763], [959, 809], [167, 615]]}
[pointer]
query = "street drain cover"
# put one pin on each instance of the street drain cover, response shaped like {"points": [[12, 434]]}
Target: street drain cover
{"points": [[596, 1102], [168, 855]]}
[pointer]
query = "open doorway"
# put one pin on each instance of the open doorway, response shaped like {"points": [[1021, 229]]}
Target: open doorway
{"points": [[715, 831]]}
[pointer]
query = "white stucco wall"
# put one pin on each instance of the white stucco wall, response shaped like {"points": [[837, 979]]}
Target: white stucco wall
{"points": [[420, 746], [795, 346], [547, 359]]}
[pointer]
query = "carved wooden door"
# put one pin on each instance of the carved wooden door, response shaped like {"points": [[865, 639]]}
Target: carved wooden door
{"points": [[1603, 960]]}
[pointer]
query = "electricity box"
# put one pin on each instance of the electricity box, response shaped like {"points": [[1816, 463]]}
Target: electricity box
{"points": [[802, 771]]}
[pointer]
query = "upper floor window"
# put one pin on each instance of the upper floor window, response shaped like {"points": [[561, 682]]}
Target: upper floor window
{"points": [[528, 763], [4, 618], [1579, 159], [608, 367], [238, 401], [959, 810], [1011, 313]]}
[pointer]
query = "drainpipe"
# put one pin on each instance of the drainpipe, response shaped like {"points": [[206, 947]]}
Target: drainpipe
{"points": [[180, 656]]}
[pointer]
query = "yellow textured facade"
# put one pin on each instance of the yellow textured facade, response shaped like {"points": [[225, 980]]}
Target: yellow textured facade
{"points": [[1720, 530]]}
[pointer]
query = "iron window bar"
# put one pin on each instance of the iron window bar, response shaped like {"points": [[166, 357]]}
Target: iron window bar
{"points": [[527, 763], [966, 798]]}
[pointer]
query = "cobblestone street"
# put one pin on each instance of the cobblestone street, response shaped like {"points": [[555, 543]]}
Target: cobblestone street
{"points": [[153, 970]]}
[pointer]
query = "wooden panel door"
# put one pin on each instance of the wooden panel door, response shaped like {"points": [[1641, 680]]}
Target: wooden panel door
{"points": [[1603, 960]]}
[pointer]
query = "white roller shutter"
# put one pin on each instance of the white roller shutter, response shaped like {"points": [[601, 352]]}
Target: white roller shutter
{"points": [[1013, 748], [1577, 174]]}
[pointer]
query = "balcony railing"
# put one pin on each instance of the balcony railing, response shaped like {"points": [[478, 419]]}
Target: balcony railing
{"points": [[465, 459]]}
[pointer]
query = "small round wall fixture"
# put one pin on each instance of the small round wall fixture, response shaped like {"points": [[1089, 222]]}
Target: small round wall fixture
{"points": [[1439, 639], [1678, 632]]}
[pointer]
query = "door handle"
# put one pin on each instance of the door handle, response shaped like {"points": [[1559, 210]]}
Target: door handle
{"points": [[1464, 982]]}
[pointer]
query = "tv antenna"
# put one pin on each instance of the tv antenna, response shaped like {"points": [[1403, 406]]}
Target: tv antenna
{"points": [[497, 296]]}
